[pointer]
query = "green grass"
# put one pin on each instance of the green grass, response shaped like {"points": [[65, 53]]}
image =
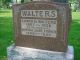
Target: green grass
{"points": [[74, 34], [6, 33]]}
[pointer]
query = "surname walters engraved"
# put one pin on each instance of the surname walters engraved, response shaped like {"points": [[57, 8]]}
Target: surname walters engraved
{"points": [[39, 13], [39, 27]]}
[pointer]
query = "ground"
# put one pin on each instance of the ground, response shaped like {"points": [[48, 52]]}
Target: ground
{"points": [[74, 34], [6, 33]]}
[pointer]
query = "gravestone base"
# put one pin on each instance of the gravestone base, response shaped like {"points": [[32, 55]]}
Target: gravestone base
{"points": [[23, 53]]}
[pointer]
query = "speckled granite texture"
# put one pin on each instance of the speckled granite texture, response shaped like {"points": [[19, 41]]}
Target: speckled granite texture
{"points": [[22, 53]]}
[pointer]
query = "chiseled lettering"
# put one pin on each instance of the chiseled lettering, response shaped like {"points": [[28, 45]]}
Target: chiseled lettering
{"points": [[47, 13], [39, 13], [54, 14]]}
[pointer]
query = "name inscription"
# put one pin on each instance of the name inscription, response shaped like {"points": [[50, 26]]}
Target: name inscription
{"points": [[39, 13], [39, 27]]}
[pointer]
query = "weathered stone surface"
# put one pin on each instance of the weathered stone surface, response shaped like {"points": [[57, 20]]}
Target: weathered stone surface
{"points": [[41, 25], [22, 53]]}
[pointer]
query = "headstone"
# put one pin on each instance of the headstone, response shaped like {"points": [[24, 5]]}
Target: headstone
{"points": [[41, 25]]}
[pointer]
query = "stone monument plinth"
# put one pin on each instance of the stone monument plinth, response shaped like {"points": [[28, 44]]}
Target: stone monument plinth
{"points": [[22, 53]]}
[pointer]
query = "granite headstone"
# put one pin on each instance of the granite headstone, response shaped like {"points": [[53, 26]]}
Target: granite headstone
{"points": [[41, 25]]}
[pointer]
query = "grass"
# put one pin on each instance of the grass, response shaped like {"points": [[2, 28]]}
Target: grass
{"points": [[6, 33], [74, 34]]}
